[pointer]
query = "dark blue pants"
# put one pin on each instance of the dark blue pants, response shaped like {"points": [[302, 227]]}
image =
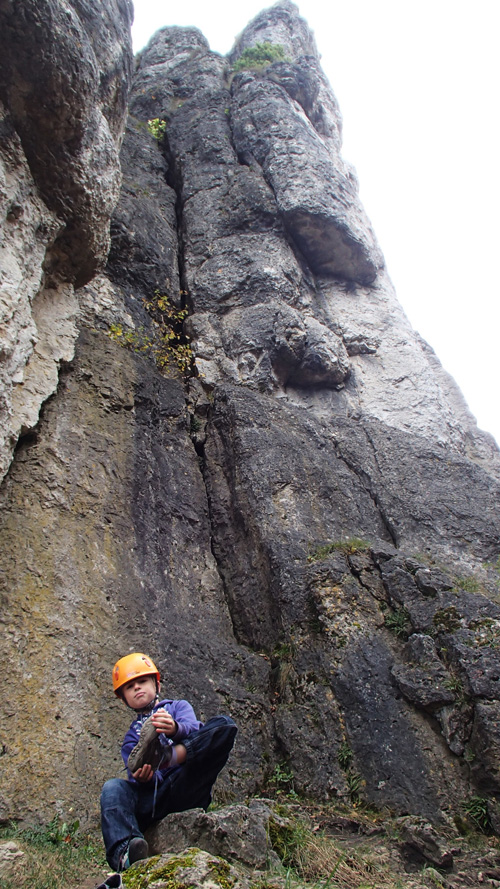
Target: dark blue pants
{"points": [[127, 808]]}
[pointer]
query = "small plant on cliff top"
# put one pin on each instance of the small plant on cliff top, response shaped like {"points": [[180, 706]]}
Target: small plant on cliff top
{"points": [[259, 56]]}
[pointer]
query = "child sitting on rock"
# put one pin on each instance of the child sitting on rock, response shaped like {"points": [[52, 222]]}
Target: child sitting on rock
{"points": [[172, 761]]}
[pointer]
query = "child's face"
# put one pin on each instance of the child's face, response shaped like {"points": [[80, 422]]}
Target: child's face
{"points": [[139, 692]]}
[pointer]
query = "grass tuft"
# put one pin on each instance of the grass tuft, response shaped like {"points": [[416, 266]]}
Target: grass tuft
{"points": [[56, 855], [398, 622], [314, 859], [476, 809], [349, 546]]}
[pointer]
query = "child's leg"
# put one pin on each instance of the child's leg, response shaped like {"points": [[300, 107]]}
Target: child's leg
{"points": [[207, 751], [119, 801]]}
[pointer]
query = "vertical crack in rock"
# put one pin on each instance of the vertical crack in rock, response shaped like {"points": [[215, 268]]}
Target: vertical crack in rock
{"points": [[367, 483], [181, 182], [237, 558]]}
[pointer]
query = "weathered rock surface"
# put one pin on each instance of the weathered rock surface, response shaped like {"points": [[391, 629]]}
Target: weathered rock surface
{"points": [[124, 423], [423, 679], [64, 75], [304, 530], [424, 843], [237, 833], [315, 193], [10, 853], [65, 71]]}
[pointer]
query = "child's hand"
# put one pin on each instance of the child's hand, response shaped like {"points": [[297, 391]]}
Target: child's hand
{"points": [[145, 773], [164, 723]]}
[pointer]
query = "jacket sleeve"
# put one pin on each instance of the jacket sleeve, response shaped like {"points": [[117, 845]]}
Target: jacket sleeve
{"points": [[185, 718]]}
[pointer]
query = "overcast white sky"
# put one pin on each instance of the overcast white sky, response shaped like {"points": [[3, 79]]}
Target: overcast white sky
{"points": [[417, 84]]}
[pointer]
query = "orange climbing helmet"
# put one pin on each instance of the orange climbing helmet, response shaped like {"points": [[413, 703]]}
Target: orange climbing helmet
{"points": [[131, 666]]}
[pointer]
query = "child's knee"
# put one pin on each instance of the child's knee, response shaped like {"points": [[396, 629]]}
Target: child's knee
{"points": [[112, 791]]}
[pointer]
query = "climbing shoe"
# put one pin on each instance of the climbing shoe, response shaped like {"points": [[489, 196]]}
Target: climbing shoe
{"points": [[136, 851], [149, 750], [114, 881]]}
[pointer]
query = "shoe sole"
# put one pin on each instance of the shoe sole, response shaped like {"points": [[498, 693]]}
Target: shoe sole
{"points": [[148, 750], [138, 850]]}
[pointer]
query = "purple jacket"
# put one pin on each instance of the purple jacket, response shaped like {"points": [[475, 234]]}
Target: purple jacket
{"points": [[185, 718]]}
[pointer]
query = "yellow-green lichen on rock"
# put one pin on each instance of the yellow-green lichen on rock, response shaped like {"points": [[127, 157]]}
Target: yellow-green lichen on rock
{"points": [[191, 868]]}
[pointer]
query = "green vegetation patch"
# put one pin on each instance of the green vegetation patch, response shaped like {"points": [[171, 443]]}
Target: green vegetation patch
{"points": [[289, 840], [283, 651], [486, 632], [260, 56], [344, 756], [157, 128], [354, 781], [469, 584], [456, 686], [145, 872], [397, 620], [349, 546], [315, 859], [447, 620], [281, 779], [173, 873], [476, 810], [354, 784], [56, 855], [166, 343], [220, 872]]}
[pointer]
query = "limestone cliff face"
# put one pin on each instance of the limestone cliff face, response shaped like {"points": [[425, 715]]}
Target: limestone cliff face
{"points": [[64, 75], [304, 529]]}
